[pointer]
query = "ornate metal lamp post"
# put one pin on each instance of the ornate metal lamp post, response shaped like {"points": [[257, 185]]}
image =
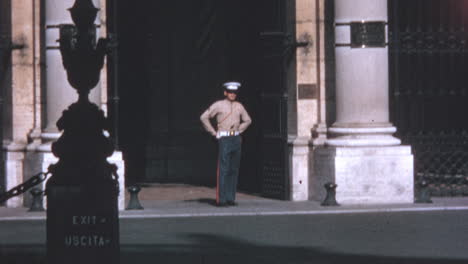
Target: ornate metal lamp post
{"points": [[82, 214]]}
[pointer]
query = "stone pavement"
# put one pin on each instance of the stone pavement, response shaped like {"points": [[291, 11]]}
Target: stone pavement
{"points": [[172, 200]]}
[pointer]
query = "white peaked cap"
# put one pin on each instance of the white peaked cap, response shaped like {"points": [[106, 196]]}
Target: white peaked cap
{"points": [[233, 86]]}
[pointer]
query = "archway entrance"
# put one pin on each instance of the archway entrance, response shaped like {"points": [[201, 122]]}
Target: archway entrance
{"points": [[173, 58]]}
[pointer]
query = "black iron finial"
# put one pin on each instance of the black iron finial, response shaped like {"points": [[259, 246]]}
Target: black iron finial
{"points": [[83, 14]]}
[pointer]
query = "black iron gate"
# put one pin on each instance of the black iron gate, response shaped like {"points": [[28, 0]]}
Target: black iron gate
{"points": [[274, 36], [429, 88]]}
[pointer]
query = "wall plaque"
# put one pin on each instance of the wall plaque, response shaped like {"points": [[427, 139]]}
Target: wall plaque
{"points": [[367, 34], [307, 91]]}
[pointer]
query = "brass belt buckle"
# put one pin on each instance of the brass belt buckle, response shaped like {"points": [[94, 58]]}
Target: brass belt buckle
{"points": [[231, 133]]}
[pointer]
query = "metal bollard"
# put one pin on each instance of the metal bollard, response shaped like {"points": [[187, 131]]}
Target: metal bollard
{"points": [[330, 199], [424, 195], [134, 203], [36, 205]]}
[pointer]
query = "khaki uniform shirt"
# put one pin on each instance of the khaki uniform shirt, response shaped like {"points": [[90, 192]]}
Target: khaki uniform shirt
{"points": [[230, 116]]}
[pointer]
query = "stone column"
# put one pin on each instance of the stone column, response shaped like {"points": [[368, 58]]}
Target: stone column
{"points": [[19, 119], [361, 78], [362, 156]]}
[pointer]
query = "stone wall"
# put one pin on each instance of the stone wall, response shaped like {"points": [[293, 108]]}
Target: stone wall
{"points": [[310, 93], [24, 90]]}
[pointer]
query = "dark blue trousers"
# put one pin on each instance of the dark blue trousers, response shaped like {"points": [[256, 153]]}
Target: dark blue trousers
{"points": [[229, 157]]}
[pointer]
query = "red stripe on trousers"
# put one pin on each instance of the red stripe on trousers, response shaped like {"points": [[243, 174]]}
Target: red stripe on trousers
{"points": [[217, 183]]}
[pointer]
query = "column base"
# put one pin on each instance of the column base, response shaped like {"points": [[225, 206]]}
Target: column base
{"points": [[367, 175], [299, 169], [117, 159], [14, 168], [362, 136], [319, 134]]}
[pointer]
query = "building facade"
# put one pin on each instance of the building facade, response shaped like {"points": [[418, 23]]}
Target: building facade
{"points": [[324, 82]]}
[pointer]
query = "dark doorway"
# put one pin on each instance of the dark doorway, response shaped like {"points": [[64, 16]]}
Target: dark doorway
{"points": [[429, 93], [5, 79], [173, 57]]}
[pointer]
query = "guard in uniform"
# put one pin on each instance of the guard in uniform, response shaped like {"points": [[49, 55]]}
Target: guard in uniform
{"points": [[232, 119]]}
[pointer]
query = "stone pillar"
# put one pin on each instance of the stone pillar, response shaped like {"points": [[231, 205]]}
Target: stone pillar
{"points": [[304, 98], [20, 99], [361, 78], [309, 95], [14, 174], [319, 131], [362, 157]]}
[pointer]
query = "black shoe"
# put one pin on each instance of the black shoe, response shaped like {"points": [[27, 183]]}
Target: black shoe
{"points": [[231, 203], [221, 204]]}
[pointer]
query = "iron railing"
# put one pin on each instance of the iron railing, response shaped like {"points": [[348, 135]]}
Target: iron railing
{"points": [[428, 47], [441, 159]]}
